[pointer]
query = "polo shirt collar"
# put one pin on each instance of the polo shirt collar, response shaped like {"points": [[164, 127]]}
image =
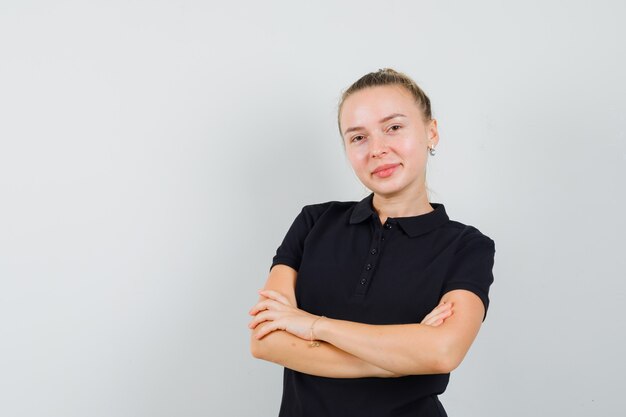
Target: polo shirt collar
{"points": [[412, 226]]}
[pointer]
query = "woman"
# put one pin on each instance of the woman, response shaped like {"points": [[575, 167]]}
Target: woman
{"points": [[370, 305]]}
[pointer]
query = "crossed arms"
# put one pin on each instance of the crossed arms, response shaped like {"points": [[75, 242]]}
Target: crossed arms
{"points": [[281, 333]]}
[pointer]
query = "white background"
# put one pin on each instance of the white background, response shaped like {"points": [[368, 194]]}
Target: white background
{"points": [[154, 153]]}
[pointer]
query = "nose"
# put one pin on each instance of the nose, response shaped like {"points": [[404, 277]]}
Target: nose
{"points": [[378, 146]]}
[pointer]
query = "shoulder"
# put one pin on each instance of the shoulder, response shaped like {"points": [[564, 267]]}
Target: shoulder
{"points": [[321, 217], [345, 205], [469, 236], [313, 212]]}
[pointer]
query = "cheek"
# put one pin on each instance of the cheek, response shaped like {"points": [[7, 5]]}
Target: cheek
{"points": [[415, 148], [414, 143], [357, 157]]}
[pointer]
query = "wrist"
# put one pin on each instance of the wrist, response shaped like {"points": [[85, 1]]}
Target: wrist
{"points": [[313, 336]]}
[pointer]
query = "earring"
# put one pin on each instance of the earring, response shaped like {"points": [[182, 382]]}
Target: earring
{"points": [[431, 151]]}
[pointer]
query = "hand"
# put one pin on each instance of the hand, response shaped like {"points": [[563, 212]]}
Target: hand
{"points": [[438, 315], [279, 314]]}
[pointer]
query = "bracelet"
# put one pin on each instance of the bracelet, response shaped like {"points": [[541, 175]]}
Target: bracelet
{"points": [[313, 342]]}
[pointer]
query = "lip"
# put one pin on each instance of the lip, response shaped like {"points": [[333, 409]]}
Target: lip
{"points": [[385, 170]]}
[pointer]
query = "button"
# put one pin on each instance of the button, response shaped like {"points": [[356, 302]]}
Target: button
{"points": [[368, 267], [383, 238], [363, 281], [373, 251], [387, 226]]}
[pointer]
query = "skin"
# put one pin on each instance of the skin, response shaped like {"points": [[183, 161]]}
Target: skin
{"points": [[383, 126], [386, 138]]}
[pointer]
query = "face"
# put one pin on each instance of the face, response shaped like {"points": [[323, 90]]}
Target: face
{"points": [[387, 139]]}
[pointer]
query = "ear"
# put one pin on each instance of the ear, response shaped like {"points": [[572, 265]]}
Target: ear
{"points": [[433, 133]]}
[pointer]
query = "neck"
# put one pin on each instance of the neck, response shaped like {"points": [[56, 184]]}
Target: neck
{"points": [[401, 206]]}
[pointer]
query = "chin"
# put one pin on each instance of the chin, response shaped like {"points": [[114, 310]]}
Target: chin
{"points": [[386, 191]]}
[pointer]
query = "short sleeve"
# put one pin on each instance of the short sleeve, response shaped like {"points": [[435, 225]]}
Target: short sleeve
{"points": [[472, 266], [291, 249]]}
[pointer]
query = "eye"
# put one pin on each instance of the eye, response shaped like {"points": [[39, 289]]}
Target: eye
{"points": [[395, 127], [357, 138]]}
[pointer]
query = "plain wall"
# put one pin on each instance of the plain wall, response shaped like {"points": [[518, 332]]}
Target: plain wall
{"points": [[154, 153]]}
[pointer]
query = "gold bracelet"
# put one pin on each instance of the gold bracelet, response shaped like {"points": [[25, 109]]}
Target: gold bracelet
{"points": [[313, 342]]}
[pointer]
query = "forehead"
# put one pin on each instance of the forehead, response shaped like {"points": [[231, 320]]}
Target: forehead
{"points": [[373, 103]]}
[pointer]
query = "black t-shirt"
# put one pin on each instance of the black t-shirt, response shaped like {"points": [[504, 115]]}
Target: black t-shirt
{"points": [[350, 267]]}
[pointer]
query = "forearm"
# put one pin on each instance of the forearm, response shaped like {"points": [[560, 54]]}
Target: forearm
{"points": [[325, 360], [411, 349], [408, 349]]}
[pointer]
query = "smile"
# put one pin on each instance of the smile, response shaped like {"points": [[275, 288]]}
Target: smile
{"points": [[385, 171]]}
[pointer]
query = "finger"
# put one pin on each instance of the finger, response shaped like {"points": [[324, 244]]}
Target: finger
{"points": [[436, 313], [263, 316], [437, 319], [438, 310], [265, 305], [274, 295], [441, 308], [442, 315], [267, 329], [260, 306]]}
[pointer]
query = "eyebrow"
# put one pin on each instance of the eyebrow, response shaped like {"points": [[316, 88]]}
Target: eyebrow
{"points": [[383, 120]]}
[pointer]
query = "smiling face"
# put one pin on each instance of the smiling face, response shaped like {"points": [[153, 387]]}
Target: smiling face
{"points": [[387, 138]]}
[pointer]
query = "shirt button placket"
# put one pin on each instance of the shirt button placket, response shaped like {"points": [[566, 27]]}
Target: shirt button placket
{"points": [[375, 248], [361, 288]]}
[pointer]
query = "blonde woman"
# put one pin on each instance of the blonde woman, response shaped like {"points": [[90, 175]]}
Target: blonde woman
{"points": [[370, 305]]}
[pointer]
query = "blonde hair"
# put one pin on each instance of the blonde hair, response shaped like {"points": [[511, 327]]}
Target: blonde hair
{"points": [[388, 76]]}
